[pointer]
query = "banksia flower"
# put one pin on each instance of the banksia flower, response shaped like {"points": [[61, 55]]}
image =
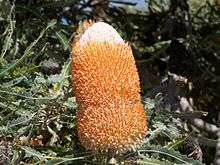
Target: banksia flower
{"points": [[110, 114]]}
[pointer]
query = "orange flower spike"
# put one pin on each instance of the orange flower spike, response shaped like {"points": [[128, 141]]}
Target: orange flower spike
{"points": [[110, 114]]}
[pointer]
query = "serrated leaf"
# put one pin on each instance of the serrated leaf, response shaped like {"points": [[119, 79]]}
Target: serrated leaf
{"points": [[14, 81], [163, 152], [56, 78], [31, 152], [71, 103], [9, 31], [152, 161], [28, 51], [63, 40], [149, 103], [23, 119]]}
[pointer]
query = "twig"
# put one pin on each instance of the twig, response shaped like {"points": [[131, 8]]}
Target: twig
{"points": [[199, 123], [205, 141], [124, 3], [217, 154]]}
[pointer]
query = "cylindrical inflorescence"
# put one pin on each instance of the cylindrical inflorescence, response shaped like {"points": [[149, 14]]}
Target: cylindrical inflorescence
{"points": [[105, 81]]}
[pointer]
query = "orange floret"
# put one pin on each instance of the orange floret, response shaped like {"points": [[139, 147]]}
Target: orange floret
{"points": [[106, 84]]}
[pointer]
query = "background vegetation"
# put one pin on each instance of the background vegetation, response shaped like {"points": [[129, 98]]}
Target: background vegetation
{"points": [[176, 44]]}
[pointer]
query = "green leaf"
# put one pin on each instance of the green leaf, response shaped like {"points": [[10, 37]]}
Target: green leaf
{"points": [[71, 103], [56, 78], [63, 40], [28, 50], [168, 154], [149, 103], [31, 152], [152, 161]]}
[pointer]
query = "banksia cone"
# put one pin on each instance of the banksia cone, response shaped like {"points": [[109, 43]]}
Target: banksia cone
{"points": [[110, 114]]}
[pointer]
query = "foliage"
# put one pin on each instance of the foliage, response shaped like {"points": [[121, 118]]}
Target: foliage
{"points": [[176, 46]]}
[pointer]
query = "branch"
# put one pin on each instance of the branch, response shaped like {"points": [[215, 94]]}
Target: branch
{"points": [[199, 123], [217, 153], [124, 3]]}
